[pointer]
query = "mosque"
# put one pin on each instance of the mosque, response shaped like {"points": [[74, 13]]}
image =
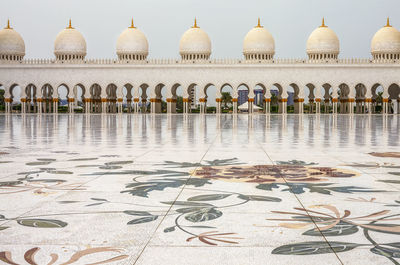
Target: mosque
{"points": [[332, 84]]}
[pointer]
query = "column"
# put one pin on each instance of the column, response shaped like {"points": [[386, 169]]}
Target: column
{"points": [[119, 102], [385, 107], [298, 105], [267, 105], [335, 105], [129, 105], [398, 106], [87, 104], [55, 105], [251, 105], [8, 102], [136, 105], [351, 105], [186, 105], [368, 105], [171, 105], [103, 105], [71, 103], [143, 108], [283, 105], [326, 105], [203, 105], [155, 105], [23, 105], [218, 105], [234, 105], [317, 106], [152, 105]]}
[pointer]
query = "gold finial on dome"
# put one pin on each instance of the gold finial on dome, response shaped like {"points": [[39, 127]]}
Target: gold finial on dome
{"points": [[388, 23], [195, 23], [323, 23], [8, 25], [259, 24], [70, 25], [132, 25]]}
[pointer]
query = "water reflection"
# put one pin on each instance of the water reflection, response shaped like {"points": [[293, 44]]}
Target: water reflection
{"points": [[113, 131]]}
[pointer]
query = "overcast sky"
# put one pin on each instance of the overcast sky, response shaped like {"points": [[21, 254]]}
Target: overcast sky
{"points": [[226, 22]]}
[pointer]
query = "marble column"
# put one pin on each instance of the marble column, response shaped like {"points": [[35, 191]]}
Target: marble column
{"points": [[171, 105], [298, 105], [267, 104], [120, 107], [234, 105], [283, 105], [203, 105], [250, 105], [218, 105]]}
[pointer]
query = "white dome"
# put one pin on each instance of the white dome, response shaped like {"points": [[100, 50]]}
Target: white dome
{"points": [[69, 44], [258, 41], [386, 41], [11, 43], [323, 41], [195, 42], [132, 42]]}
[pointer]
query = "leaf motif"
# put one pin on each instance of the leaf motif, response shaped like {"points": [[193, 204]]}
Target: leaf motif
{"points": [[95, 204], [4, 227], [67, 202], [169, 229], [42, 223], [341, 229], [138, 213], [259, 198], [386, 252], [143, 220], [203, 215], [394, 181], [59, 172], [312, 248], [98, 199], [2, 216], [209, 197], [185, 203], [10, 183], [201, 226], [189, 209]]}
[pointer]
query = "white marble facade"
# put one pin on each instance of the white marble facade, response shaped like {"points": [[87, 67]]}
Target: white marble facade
{"points": [[345, 85]]}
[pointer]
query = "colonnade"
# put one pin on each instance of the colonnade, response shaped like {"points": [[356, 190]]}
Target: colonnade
{"points": [[96, 98]]}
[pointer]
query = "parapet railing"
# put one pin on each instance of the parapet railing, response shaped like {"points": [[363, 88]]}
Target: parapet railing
{"points": [[200, 62]]}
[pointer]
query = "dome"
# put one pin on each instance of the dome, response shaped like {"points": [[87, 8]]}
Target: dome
{"points": [[12, 46], [323, 43], [258, 44], [195, 44], [70, 44], [132, 44], [386, 43]]}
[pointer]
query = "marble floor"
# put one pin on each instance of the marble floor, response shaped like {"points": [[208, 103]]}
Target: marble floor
{"points": [[192, 189]]}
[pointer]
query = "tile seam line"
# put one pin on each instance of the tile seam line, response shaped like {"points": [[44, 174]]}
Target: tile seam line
{"points": [[179, 194], [302, 205]]}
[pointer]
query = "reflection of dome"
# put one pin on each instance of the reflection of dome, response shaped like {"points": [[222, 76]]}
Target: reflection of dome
{"points": [[386, 43], [132, 44], [12, 46], [258, 44], [195, 44], [70, 44], [323, 43]]}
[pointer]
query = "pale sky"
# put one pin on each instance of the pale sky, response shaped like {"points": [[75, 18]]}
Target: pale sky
{"points": [[227, 22]]}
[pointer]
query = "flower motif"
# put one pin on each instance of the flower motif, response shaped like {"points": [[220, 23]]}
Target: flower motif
{"points": [[207, 237], [272, 173], [328, 221]]}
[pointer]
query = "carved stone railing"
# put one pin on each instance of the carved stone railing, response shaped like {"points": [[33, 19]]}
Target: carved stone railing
{"points": [[196, 62]]}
